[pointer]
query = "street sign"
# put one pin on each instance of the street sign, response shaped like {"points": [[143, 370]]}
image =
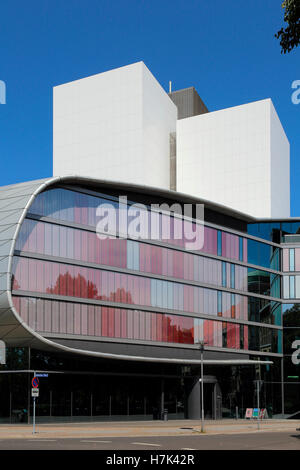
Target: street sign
{"points": [[41, 375], [35, 392], [249, 413], [35, 382]]}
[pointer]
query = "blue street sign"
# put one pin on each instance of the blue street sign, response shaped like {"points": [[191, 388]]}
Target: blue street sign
{"points": [[41, 375]]}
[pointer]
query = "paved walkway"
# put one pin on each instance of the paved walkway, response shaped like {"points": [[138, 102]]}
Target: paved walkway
{"points": [[144, 428]]}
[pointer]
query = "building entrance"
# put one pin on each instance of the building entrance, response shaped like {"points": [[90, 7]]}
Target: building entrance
{"points": [[212, 398]]}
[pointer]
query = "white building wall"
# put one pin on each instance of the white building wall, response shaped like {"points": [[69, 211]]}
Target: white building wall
{"points": [[228, 157], [114, 125], [280, 168]]}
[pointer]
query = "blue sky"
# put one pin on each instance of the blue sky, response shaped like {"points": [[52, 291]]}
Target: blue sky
{"points": [[226, 49]]}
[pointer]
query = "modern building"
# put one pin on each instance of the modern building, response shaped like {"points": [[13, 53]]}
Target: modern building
{"points": [[111, 311], [116, 322], [122, 125]]}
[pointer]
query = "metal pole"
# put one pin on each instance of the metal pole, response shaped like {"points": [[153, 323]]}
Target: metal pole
{"points": [[258, 383], [10, 402], [50, 403], [28, 394], [162, 399], [33, 431], [202, 394], [282, 387]]}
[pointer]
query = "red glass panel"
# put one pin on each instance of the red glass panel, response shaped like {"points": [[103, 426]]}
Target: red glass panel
{"points": [[178, 264], [297, 259], [246, 341], [91, 247], [70, 242], [111, 322], [70, 281], [117, 287], [231, 339], [77, 319], [84, 246], [84, 319], [70, 318], [62, 237], [111, 286], [117, 323], [165, 328], [97, 250], [153, 327], [55, 317], [124, 324], [237, 336], [39, 315], [142, 316], [164, 261], [123, 288], [62, 317], [148, 325], [48, 240], [104, 326], [92, 290], [40, 279], [285, 258], [136, 324], [136, 288], [98, 330], [63, 279], [104, 285], [174, 326], [32, 274], [48, 315], [130, 297], [129, 324], [83, 282], [158, 327], [77, 244], [123, 253], [104, 251], [91, 320], [40, 229], [56, 248]]}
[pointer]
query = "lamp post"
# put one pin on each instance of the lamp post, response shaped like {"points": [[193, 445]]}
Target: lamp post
{"points": [[201, 348]]}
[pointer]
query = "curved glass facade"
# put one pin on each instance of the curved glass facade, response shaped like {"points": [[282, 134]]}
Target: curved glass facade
{"points": [[69, 281]]}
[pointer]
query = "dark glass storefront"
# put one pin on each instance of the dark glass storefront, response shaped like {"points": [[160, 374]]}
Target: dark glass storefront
{"points": [[93, 389]]}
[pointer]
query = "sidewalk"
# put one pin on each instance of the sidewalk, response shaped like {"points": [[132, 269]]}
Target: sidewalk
{"points": [[144, 428]]}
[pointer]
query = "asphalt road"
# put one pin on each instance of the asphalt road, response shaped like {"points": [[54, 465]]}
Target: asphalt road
{"points": [[243, 441]]}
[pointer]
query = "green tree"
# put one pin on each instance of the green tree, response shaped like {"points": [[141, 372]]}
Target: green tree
{"points": [[290, 36]]}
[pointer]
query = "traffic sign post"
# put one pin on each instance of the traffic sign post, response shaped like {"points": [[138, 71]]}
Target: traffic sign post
{"points": [[35, 382], [34, 393]]}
